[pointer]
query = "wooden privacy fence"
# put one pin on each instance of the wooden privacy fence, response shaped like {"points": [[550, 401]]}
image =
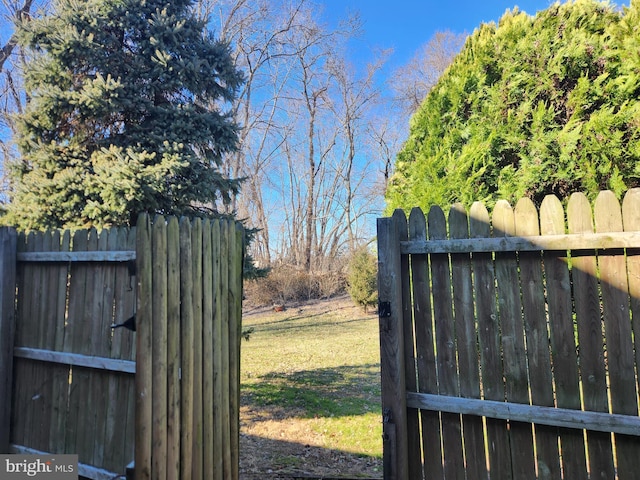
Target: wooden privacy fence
{"points": [[166, 396], [510, 346]]}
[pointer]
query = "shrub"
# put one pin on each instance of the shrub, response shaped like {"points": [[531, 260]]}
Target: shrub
{"points": [[362, 278], [285, 284]]}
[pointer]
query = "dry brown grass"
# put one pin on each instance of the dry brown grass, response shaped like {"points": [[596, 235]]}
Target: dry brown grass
{"points": [[286, 284]]}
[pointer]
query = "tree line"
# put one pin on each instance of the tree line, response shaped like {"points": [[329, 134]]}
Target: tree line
{"points": [[285, 132]]}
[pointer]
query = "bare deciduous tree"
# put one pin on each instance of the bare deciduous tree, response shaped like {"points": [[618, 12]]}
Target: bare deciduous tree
{"points": [[413, 81], [303, 112], [353, 103], [12, 95], [13, 12]]}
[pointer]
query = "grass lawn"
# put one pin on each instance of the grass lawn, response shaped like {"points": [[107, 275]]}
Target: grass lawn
{"points": [[311, 376]]}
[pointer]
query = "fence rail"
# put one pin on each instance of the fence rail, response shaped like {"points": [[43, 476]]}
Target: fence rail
{"points": [[510, 344]]}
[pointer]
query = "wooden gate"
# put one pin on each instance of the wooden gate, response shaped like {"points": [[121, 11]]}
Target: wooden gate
{"points": [[510, 346], [166, 395]]}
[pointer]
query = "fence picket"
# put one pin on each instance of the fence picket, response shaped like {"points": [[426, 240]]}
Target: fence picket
{"points": [[394, 406], [631, 222], [18, 419], [234, 309], [537, 339], [196, 252], [129, 342], [488, 337], [159, 348], [413, 430], [445, 343], [512, 337], [99, 328], [59, 373], [173, 349], [8, 251], [144, 350], [76, 341], [466, 341], [216, 293], [227, 468], [619, 342], [119, 416], [42, 373], [425, 352], [207, 347], [186, 348], [563, 345], [112, 450], [590, 342]]}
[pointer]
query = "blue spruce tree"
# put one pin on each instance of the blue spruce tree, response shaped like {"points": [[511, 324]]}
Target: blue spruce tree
{"points": [[127, 112]]}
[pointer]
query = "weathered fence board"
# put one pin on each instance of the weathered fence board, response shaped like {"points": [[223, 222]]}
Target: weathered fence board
{"points": [[70, 373], [561, 330], [631, 222], [392, 370], [415, 466], [619, 336], [514, 365], [8, 241], [528, 366], [198, 372], [144, 345], [173, 349], [234, 307], [467, 344], [207, 348], [537, 339], [166, 394], [446, 354], [551, 416], [218, 378], [590, 342], [488, 337], [425, 361]]}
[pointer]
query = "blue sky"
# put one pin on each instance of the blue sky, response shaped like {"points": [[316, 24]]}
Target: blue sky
{"points": [[406, 25]]}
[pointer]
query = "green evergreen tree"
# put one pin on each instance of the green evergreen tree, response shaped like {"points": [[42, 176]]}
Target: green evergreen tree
{"points": [[362, 278], [126, 114], [531, 106]]}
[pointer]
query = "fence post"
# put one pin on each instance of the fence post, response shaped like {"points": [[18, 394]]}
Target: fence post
{"points": [[8, 240], [392, 361]]}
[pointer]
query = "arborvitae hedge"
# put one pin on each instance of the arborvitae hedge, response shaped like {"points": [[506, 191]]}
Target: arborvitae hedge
{"points": [[531, 106]]}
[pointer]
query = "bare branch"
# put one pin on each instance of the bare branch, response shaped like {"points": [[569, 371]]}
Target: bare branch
{"points": [[22, 14]]}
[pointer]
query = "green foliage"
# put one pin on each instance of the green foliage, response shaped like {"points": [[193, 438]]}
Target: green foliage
{"points": [[362, 278], [125, 115], [532, 106]]}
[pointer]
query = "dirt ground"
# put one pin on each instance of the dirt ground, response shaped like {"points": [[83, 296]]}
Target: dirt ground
{"points": [[295, 455], [278, 445]]}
